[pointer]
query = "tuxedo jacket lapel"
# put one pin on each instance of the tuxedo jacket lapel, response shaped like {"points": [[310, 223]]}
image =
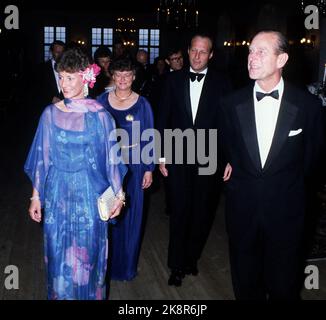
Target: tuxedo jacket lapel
{"points": [[186, 95], [204, 100], [286, 117], [51, 78], [246, 115]]}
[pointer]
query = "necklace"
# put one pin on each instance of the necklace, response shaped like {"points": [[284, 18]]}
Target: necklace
{"points": [[122, 98]]}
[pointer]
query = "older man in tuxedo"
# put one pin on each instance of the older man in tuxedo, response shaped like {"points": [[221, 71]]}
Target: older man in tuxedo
{"points": [[190, 101], [273, 135]]}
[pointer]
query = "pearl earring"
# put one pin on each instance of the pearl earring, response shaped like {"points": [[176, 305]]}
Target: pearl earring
{"points": [[85, 89]]}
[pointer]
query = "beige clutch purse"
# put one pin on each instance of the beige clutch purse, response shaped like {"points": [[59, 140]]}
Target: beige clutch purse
{"points": [[105, 203]]}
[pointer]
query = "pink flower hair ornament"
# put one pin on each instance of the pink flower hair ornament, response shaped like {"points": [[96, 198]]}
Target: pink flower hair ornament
{"points": [[89, 74]]}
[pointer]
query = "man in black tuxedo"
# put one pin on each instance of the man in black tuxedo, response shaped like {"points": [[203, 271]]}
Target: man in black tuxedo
{"points": [[45, 90], [190, 101], [174, 61], [51, 92], [273, 136]]}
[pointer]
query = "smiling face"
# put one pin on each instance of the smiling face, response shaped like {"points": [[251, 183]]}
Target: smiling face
{"points": [[265, 62], [200, 52], [123, 79], [71, 85]]}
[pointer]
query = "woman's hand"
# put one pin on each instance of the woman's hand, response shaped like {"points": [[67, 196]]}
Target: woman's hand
{"points": [[118, 204], [35, 210], [147, 179], [227, 172]]}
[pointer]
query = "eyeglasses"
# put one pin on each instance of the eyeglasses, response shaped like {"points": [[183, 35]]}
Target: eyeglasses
{"points": [[123, 75]]}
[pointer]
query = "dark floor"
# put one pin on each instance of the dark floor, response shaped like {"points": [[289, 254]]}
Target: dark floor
{"points": [[21, 242]]}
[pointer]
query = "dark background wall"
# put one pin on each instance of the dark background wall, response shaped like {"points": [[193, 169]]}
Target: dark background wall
{"points": [[22, 49]]}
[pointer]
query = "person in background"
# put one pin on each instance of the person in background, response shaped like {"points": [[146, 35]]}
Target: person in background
{"points": [[172, 62], [119, 50], [49, 77], [159, 72], [104, 82], [143, 81], [159, 67], [174, 59]]}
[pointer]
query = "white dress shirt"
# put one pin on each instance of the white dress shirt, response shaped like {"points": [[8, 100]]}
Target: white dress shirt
{"points": [[56, 74], [266, 114], [195, 92]]}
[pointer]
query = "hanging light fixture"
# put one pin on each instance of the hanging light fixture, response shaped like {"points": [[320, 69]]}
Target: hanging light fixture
{"points": [[321, 4], [178, 14], [126, 31]]}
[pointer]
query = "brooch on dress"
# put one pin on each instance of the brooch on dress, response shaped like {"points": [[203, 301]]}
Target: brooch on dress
{"points": [[129, 117]]}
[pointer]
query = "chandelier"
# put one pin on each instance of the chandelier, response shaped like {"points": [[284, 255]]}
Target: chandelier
{"points": [[178, 14], [321, 5], [126, 31]]}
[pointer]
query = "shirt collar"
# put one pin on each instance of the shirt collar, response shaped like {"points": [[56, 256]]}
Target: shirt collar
{"points": [[279, 87], [53, 64], [204, 71]]}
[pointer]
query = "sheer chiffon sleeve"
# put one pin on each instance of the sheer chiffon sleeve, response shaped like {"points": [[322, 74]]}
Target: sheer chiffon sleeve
{"points": [[114, 166], [38, 160]]}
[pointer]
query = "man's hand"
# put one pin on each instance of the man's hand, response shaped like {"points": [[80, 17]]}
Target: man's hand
{"points": [[163, 170], [227, 172]]}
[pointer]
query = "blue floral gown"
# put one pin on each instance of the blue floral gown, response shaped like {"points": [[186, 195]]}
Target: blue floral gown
{"points": [[70, 164], [126, 233]]}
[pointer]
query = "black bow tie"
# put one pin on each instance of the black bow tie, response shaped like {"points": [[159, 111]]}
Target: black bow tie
{"points": [[261, 95], [194, 76]]}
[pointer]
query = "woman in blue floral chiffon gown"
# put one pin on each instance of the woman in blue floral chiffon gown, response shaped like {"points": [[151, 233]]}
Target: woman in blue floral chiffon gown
{"points": [[133, 114], [70, 164]]}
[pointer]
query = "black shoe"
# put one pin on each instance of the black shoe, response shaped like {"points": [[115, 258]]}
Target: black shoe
{"points": [[191, 270], [176, 278]]}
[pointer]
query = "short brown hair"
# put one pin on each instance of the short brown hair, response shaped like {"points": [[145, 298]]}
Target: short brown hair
{"points": [[73, 60]]}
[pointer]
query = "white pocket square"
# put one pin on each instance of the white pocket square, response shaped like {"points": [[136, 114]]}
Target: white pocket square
{"points": [[294, 132]]}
